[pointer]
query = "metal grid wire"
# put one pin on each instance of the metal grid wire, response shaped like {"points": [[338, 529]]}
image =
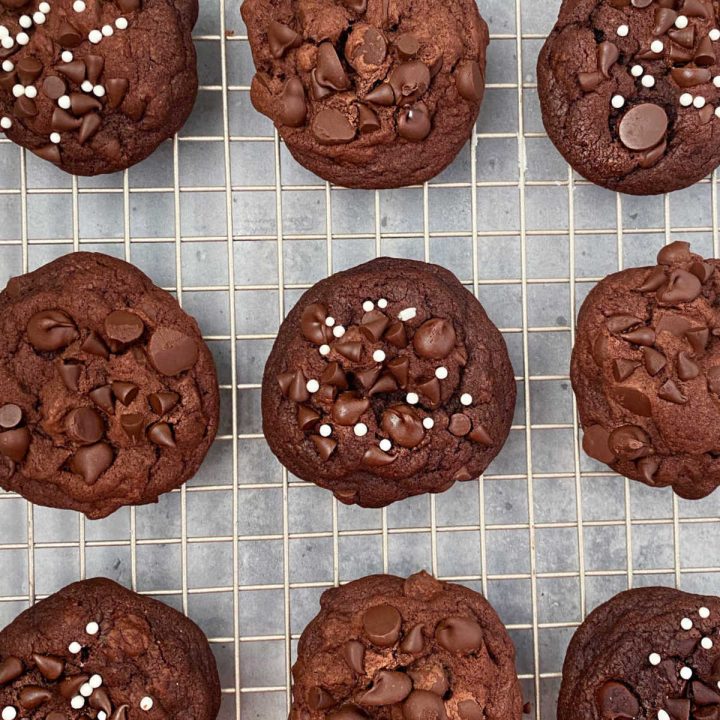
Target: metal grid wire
{"points": [[226, 220]]}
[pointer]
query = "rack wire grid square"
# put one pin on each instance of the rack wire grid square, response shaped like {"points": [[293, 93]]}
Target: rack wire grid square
{"points": [[224, 218]]}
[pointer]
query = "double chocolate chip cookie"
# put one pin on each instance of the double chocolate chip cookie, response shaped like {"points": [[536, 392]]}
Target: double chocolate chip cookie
{"points": [[94, 86], [647, 653], [386, 381], [416, 649], [369, 93], [108, 394], [96, 651], [646, 372], [630, 91]]}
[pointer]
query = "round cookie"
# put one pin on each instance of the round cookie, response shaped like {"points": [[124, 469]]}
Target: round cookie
{"points": [[108, 394], [628, 94], [647, 653], [96, 651], [369, 93], [94, 86], [415, 649], [387, 381], [646, 372]]}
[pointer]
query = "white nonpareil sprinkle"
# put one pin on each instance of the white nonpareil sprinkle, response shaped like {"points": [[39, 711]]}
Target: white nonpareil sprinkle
{"points": [[86, 690], [716, 81], [25, 21], [9, 713], [64, 102], [95, 681], [717, 112], [617, 101], [441, 373], [18, 90], [324, 350], [361, 429], [5, 123], [686, 99], [382, 303], [22, 38], [55, 138], [637, 70], [8, 66], [77, 702], [407, 314], [312, 386], [686, 673], [74, 647], [108, 30], [102, 715], [325, 431], [706, 643], [92, 628], [330, 321], [79, 6], [39, 18], [368, 305], [686, 624], [681, 22], [648, 81], [714, 34], [654, 659], [657, 46], [704, 613], [338, 331], [412, 398], [4, 32], [67, 56], [466, 399], [121, 23], [385, 445], [662, 715], [146, 703], [379, 356], [86, 86], [699, 102], [95, 36], [31, 92], [44, 7], [623, 30], [7, 42], [99, 91], [428, 423]]}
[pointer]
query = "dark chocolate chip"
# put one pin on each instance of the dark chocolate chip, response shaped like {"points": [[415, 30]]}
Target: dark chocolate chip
{"points": [[375, 457], [125, 392], [633, 400], [596, 443], [643, 126], [133, 424], [103, 398], [161, 434], [331, 127], [424, 705], [400, 368], [329, 71], [124, 326], [163, 402], [414, 123], [116, 89], [94, 65], [615, 701], [74, 71], [306, 418], [404, 426], [623, 368], [14, 444], [640, 336], [434, 339], [671, 392], [293, 106], [33, 696], [407, 45], [11, 668], [349, 408], [459, 634], [389, 687], [171, 352], [413, 642], [382, 625], [92, 461], [334, 375], [90, 125], [100, 700], [687, 368], [480, 435], [368, 120], [682, 287], [319, 698], [630, 442], [84, 426], [11, 416], [460, 425], [381, 95], [409, 81], [469, 81], [94, 345], [324, 446], [354, 653], [470, 710], [281, 38], [675, 252], [29, 70], [51, 330], [654, 361], [50, 666]]}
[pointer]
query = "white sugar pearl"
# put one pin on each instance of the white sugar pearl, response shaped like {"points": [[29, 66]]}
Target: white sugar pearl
{"points": [[92, 628], [714, 34], [617, 101], [441, 373], [466, 399], [704, 613], [385, 445], [121, 23], [9, 713], [4, 32], [681, 22], [657, 46], [717, 112], [663, 715], [18, 90], [31, 92], [146, 703], [25, 21], [382, 303], [79, 6], [428, 423], [44, 7], [108, 30], [67, 56], [637, 70], [407, 314], [324, 350], [338, 331], [5, 123], [86, 690], [686, 624], [379, 356], [654, 659], [95, 681], [39, 18], [8, 66], [99, 91], [22, 38], [102, 715], [412, 398], [55, 138], [7, 42], [95, 36], [325, 431], [330, 321], [623, 30], [361, 429], [74, 647], [699, 102], [86, 86], [77, 702], [716, 81], [706, 643], [686, 99], [312, 386], [686, 673], [368, 306], [64, 102], [648, 81]]}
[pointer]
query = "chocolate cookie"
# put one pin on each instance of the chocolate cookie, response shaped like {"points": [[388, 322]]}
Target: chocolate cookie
{"points": [[369, 93], [386, 381], [416, 649], [646, 372], [629, 91], [96, 651], [647, 653], [108, 394], [94, 86]]}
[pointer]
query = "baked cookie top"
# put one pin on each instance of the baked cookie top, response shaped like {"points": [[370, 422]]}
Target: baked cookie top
{"points": [[369, 93], [94, 86], [630, 91], [387, 380], [108, 394], [97, 651], [418, 649]]}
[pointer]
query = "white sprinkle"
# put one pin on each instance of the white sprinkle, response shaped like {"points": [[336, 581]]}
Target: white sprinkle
{"points": [[407, 314], [686, 624], [102, 715], [67, 56], [7, 42], [25, 21], [654, 659], [44, 7], [338, 331], [686, 673], [325, 431], [74, 647], [385, 445], [716, 81], [648, 81], [31, 92], [704, 613], [55, 138], [121, 23], [686, 99], [95, 36], [662, 715], [8, 66], [64, 102], [361, 429], [324, 350], [329, 321], [39, 18], [99, 91], [18, 90], [86, 86], [706, 643], [77, 702], [466, 399], [717, 112], [146, 703], [368, 306], [412, 398], [623, 30], [714, 34], [108, 30], [441, 373], [312, 386], [657, 46], [86, 690], [428, 423], [379, 356], [79, 6], [22, 38], [637, 70], [382, 303], [699, 102], [681, 22], [5, 123], [9, 713], [92, 628], [617, 101], [95, 681], [4, 32]]}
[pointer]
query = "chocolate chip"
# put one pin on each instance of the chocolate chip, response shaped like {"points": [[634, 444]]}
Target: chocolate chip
{"points": [[596, 443], [14, 444], [297, 389], [367, 377], [643, 126], [641, 336], [623, 368], [329, 71], [306, 418], [705, 53], [33, 696], [407, 45], [703, 271], [382, 625], [161, 434], [84, 425], [687, 77], [10, 416], [460, 425], [386, 384], [480, 435], [100, 700], [676, 252], [63, 121], [281, 38], [703, 695], [90, 125], [324, 446], [120, 713], [674, 324], [414, 123], [434, 339], [68, 36], [459, 634], [654, 361], [633, 400], [117, 89], [381, 95], [94, 345], [368, 120], [319, 699], [82, 104], [50, 666], [172, 352], [331, 127], [50, 152], [682, 287], [655, 279], [354, 654], [94, 65], [375, 457], [349, 408], [400, 368], [293, 106], [409, 81], [92, 461], [413, 642], [124, 326], [334, 375], [128, 6], [404, 426], [470, 710], [698, 339], [671, 392], [687, 369], [621, 323], [11, 668], [424, 705], [686, 38], [163, 402], [74, 71], [630, 442], [312, 324], [589, 81], [664, 20], [133, 424], [346, 712], [373, 325], [469, 81], [29, 70], [372, 49], [103, 398], [358, 6], [615, 701], [51, 330], [713, 378], [648, 466], [70, 686], [389, 687]]}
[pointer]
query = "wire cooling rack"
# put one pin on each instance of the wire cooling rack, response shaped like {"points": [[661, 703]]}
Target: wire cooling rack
{"points": [[224, 218]]}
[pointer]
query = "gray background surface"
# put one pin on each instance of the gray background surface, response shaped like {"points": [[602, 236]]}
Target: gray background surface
{"points": [[228, 221]]}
